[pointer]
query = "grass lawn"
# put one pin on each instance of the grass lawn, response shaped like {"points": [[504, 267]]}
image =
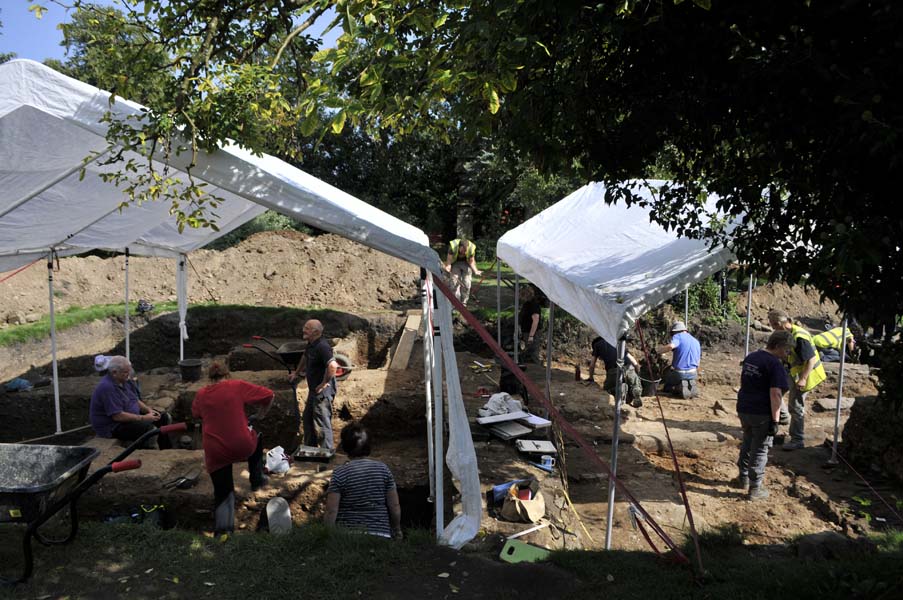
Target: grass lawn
{"points": [[138, 561], [72, 316]]}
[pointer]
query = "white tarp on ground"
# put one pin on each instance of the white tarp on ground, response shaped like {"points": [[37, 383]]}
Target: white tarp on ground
{"points": [[607, 264], [49, 123]]}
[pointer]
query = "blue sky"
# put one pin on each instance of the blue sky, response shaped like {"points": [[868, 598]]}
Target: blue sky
{"points": [[40, 39], [27, 36]]}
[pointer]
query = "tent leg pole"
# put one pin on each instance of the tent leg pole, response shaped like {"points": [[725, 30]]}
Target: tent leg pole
{"points": [[749, 292], [427, 379], [843, 356], [615, 434], [687, 307], [182, 293], [56, 377], [498, 301], [550, 331], [127, 346], [516, 316], [438, 406]]}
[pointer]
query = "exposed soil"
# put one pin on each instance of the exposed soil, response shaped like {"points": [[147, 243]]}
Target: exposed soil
{"points": [[358, 285], [285, 268]]}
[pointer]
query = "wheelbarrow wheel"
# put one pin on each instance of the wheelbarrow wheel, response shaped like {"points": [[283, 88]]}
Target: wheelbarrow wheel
{"points": [[344, 369]]}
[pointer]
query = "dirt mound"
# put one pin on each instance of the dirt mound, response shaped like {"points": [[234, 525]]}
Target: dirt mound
{"points": [[801, 303], [285, 268]]}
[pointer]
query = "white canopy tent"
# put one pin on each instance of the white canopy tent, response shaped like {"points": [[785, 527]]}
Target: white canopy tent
{"points": [[49, 123], [607, 265]]}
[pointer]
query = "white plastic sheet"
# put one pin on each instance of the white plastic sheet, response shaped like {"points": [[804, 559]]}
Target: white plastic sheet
{"points": [[50, 122], [604, 264]]}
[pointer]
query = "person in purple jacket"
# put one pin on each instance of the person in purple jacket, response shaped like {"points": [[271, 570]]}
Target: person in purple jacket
{"points": [[117, 412]]}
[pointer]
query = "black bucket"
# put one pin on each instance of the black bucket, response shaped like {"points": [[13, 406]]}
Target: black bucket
{"points": [[650, 387], [191, 369]]}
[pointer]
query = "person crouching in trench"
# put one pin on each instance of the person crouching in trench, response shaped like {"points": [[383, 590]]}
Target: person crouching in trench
{"points": [[228, 438]]}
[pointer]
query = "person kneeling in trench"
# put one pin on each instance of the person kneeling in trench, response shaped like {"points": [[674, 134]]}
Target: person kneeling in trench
{"points": [[228, 438], [361, 494], [116, 409]]}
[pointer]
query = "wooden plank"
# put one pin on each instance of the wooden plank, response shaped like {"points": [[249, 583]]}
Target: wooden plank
{"points": [[402, 354], [500, 418]]}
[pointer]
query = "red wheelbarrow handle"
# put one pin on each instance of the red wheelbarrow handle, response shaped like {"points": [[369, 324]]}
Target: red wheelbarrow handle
{"points": [[125, 465], [174, 428]]}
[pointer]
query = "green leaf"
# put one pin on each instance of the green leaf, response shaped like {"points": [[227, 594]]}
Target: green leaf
{"points": [[704, 4], [440, 21], [38, 10], [338, 122], [493, 98], [509, 82], [308, 126], [368, 77], [324, 55], [543, 46]]}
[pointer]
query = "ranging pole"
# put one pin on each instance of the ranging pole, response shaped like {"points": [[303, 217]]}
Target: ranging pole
{"points": [[843, 356]]}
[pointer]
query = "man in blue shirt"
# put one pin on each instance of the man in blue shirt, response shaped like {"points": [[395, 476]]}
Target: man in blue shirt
{"points": [[685, 355], [763, 383]]}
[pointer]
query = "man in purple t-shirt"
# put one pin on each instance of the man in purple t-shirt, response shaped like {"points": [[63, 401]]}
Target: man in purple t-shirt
{"points": [[117, 412], [763, 383]]}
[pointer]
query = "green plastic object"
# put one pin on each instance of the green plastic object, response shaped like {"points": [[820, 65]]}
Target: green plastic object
{"points": [[515, 551]]}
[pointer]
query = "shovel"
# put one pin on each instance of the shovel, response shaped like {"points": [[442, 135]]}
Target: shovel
{"points": [[185, 481]]}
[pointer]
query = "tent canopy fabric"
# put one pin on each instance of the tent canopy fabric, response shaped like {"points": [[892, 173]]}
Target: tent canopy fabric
{"points": [[607, 264], [49, 123]]}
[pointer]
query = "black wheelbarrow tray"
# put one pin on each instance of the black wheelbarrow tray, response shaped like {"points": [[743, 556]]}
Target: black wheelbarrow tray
{"points": [[290, 353], [38, 481]]}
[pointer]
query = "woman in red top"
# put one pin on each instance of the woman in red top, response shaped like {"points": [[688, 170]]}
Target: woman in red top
{"points": [[228, 438]]}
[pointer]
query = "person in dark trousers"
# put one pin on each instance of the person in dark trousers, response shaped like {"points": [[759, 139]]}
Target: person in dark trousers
{"points": [[228, 438], [362, 494], [829, 343], [609, 356], [319, 366], [763, 382], [529, 321], [116, 411]]}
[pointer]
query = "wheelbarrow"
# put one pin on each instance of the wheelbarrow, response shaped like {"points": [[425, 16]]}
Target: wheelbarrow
{"points": [[37, 481], [290, 353]]}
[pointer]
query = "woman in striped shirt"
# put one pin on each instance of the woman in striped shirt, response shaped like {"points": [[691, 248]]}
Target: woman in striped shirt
{"points": [[362, 494]]}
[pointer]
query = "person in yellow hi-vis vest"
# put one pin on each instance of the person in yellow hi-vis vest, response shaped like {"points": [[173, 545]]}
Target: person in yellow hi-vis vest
{"points": [[828, 344], [461, 266], [806, 372]]}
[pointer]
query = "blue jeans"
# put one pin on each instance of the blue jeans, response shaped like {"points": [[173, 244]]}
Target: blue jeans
{"points": [[754, 448]]}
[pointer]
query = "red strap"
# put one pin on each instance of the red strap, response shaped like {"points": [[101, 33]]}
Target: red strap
{"points": [[20, 269], [680, 479]]}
